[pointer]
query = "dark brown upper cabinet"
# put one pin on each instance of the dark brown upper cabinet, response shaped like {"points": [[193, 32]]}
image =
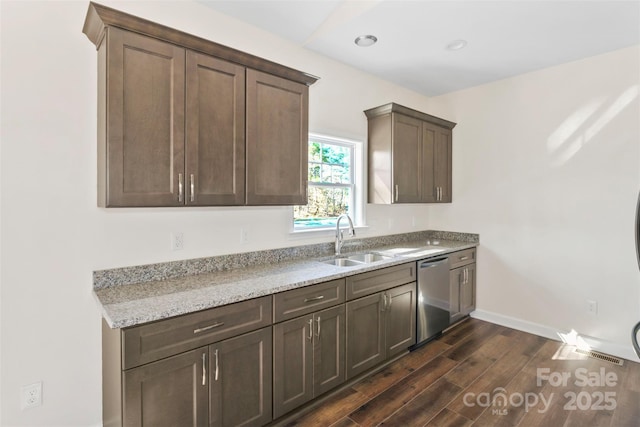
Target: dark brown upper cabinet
{"points": [[185, 121], [277, 122], [409, 156]]}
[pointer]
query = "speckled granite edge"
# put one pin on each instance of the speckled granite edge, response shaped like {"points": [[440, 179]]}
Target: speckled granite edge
{"points": [[174, 269]]}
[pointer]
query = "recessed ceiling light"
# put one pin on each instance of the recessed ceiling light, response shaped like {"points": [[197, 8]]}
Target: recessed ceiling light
{"points": [[456, 44], [366, 41]]}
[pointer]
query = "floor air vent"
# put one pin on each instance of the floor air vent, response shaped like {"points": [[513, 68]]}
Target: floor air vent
{"points": [[601, 356]]}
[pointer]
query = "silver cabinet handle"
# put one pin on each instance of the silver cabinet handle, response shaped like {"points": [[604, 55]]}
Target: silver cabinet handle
{"points": [[206, 328], [180, 193], [310, 337], [384, 301], [193, 188], [389, 301], [318, 298], [463, 258], [318, 322], [204, 368], [397, 192], [215, 374]]}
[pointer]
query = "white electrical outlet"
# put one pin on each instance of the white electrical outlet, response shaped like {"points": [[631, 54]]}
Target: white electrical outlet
{"points": [[177, 241], [244, 236], [31, 395], [592, 307]]}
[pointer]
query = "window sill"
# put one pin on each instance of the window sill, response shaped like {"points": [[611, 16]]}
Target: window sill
{"points": [[323, 231]]}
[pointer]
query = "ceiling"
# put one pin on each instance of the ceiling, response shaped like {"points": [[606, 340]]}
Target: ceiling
{"points": [[504, 38]]}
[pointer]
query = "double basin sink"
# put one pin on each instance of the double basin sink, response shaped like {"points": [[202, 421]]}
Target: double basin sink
{"points": [[357, 259], [370, 257]]}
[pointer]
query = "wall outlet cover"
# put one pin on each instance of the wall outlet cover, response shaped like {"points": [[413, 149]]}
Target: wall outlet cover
{"points": [[31, 395]]}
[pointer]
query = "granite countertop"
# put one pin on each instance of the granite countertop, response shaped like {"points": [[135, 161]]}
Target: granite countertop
{"points": [[137, 303]]}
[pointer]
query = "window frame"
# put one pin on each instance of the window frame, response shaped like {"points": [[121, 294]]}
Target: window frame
{"points": [[356, 190]]}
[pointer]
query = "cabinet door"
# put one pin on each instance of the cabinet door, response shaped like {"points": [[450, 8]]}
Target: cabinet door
{"points": [[429, 186], [365, 334], [240, 380], [292, 364], [407, 162], [277, 140], [215, 101], [170, 392], [468, 290], [144, 145], [400, 319], [436, 158], [442, 164], [328, 349], [455, 281]]}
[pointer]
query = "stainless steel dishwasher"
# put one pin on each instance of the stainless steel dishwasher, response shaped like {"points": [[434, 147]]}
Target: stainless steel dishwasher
{"points": [[433, 299]]}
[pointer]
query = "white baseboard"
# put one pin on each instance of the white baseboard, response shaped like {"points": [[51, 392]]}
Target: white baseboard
{"points": [[607, 347]]}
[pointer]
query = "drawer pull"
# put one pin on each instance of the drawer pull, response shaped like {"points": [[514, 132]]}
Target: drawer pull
{"points": [[206, 328], [464, 258], [318, 298]]}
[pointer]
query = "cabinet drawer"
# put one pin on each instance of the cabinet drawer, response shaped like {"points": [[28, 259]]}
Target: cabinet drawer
{"points": [[375, 281], [298, 302], [458, 259], [146, 343]]}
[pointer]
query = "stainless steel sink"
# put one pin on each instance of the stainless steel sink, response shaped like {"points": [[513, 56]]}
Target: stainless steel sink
{"points": [[356, 259], [342, 262], [368, 257]]}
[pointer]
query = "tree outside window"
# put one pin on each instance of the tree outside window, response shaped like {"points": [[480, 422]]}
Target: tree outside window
{"points": [[331, 184]]}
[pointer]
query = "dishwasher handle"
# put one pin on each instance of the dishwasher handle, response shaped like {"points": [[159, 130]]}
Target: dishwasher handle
{"points": [[432, 262]]}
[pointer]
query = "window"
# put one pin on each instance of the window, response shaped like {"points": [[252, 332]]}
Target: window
{"points": [[333, 174]]}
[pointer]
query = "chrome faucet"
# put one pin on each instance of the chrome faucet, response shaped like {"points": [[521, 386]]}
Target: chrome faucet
{"points": [[339, 233]]}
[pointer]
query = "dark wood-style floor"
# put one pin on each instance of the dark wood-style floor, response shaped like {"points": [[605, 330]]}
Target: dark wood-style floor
{"points": [[464, 377]]}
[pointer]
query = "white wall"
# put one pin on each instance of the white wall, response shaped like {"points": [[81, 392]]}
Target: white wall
{"points": [[547, 170], [54, 236], [544, 226]]}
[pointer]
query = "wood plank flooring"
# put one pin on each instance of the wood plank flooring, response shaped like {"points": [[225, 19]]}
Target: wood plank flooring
{"points": [[480, 374]]}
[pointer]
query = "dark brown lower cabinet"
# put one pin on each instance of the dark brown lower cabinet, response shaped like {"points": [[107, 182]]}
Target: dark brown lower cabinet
{"points": [[365, 333], [240, 380], [224, 384], [380, 326], [462, 288], [309, 354], [400, 319], [169, 392]]}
